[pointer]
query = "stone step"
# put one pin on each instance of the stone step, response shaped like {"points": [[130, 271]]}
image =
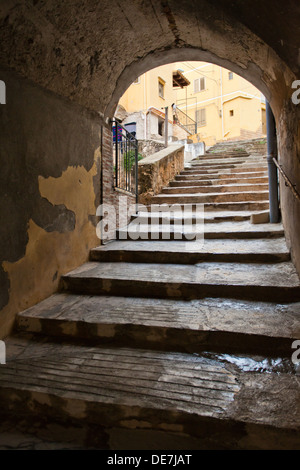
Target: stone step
{"points": [[213, 249], [232, 188], [216, 163], [210, 198], [214, 167], [229, 160], [193, 326], [239, 145], [218, 401], [217, 176], [253, 206], [231, 169], [238, 206], [160, 232], [187, 212], [218, 182], [219, 153], [211, 156], [179, 230], [268, 282]]}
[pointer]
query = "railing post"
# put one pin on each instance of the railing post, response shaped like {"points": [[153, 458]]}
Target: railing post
{"points": [[136, 177], [272, 170], [116, 152]]}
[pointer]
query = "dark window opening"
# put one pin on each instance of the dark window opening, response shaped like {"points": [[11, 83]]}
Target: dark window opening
{"points": [[161, 128]]}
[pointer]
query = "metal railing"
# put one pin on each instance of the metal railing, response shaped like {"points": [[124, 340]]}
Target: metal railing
{"points": [[125, 160], [287, 180], [186, 121]]}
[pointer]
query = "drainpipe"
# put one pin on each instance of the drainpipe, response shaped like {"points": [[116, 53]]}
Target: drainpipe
{"points": [[222, 104], [272, 169], [166, 125]]}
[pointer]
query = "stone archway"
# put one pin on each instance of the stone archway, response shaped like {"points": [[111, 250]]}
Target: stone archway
{"points": [[83, 55]]}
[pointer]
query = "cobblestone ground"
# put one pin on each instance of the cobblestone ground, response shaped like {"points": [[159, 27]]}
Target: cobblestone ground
{"points": [[19, 435]]}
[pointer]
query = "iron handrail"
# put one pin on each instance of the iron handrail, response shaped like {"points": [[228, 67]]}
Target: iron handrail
{"points": [[125, 160], [287, 180], [189, 122]]}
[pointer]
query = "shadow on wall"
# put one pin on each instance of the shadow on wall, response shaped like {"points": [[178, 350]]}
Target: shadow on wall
{"points": [[46, 143]]}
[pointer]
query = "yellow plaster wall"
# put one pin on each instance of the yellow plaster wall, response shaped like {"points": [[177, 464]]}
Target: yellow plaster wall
{"points": [[144, 94], [50, 254]]}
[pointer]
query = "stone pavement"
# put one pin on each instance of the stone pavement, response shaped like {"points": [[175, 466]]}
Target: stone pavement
{"points": [[159, 344]]}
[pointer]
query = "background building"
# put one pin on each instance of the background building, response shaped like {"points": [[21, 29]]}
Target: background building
{"points": [[213, 104], [143, 106]]}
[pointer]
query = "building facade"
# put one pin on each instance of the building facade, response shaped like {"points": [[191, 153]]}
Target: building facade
{"points": [[213, 104], [144, 105]]}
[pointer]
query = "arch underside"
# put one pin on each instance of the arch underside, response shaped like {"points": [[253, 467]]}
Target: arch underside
{"points": [[89, 52]]}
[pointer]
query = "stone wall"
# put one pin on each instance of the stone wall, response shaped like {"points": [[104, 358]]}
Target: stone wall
{"points": [[53, 154], [158, 170], [289, 158], [180, 133], [148, 147], [50, 188]]}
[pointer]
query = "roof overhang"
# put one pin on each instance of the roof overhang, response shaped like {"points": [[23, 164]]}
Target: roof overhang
{"points": [[179, 80]]}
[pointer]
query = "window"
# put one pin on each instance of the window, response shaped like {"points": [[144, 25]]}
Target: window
{"points": [[199, 84], [161, 88], [231, 113], [131, 127], [200, 117], [161, 128], [230, 75]]}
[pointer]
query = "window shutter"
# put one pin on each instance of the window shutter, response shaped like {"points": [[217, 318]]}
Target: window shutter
{"points": [[199, 84], [201, 117]]}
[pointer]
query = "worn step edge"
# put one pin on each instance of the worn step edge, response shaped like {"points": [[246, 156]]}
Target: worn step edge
{"points": [[210, 156], [219, 182], [219, 176], [223, 206], [229, 161], [246, 196], [185, 257], [254, 169], [217, 164], [184, 331], [123, 403], [107, 285], [207, 220], [220, 189], [191, 235]]}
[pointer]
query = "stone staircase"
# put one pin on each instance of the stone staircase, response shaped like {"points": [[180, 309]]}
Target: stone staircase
{"points": [[177, 335]]}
